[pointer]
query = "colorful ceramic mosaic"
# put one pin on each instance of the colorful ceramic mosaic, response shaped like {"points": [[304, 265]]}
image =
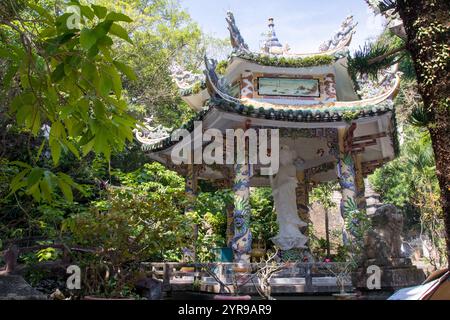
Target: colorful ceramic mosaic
{"points": [[242, 241], [349, 207]]}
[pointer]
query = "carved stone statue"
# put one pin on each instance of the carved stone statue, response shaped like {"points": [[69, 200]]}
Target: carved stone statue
{"points": [[284, 186], [382, 248], [10, 257], [237, 42], [383, 243]]}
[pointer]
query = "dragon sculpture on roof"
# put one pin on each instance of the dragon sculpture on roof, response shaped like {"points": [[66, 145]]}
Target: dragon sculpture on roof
{"points": [[346, 30], [149, 136], [237, 41]]}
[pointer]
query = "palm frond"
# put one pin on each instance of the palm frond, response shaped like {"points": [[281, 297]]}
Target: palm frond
{"points": [[419, 117], [372, 58]]}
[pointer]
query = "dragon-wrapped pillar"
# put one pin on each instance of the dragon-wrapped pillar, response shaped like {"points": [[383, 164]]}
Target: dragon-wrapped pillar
{"points": [[347, 179], [242, 241]]}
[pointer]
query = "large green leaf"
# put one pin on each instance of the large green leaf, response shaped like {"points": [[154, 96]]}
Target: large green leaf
{"points": [[126, 70], [120, 32], [18, 181], [116, 16], [87, 38], [105, 84], [43, 13], [55, 149], [34, 177], [66, 190], [99, 11]]}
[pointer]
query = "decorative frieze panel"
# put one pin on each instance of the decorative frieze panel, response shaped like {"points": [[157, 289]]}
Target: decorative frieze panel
{"points": [[247, 87], [330, 134], [330, 88], [320, 88]]}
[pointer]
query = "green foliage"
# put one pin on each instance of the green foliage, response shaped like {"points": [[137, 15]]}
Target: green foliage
{"points": [[140, 219], [162, 33], [288, 62], [372, 58], [410, 183], [69, 101], [41, 183], [264, 220], [68, 79], [318, 247], [47, 254], [434, 59], [222, 67], [420, 117], [349, 116], [324, 194], [397, 180], [400, 181], [210, 216]]}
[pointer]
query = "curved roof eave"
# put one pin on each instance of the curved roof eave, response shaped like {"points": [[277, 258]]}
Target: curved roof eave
{"points": [[334, 114]]}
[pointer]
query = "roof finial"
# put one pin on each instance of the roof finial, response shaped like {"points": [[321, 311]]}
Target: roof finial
{"points": [[272, 44]]}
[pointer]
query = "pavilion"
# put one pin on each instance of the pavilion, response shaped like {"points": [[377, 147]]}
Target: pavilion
{"points": [[340, 125]]}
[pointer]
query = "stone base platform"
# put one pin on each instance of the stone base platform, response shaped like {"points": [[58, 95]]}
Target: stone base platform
{"points": [[16, 288], [284, 286], [401, 274]]}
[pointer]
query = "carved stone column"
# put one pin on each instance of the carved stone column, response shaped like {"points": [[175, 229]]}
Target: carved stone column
{"points": [[242, 241]]}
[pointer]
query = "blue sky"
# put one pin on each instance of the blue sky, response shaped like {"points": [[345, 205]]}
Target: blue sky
{"points": [[303, 24]]}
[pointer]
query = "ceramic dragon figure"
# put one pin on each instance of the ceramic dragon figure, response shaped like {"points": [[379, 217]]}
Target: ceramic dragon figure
{"points": [[346, 30], [242, 241], [237, 41], [149, 136]]}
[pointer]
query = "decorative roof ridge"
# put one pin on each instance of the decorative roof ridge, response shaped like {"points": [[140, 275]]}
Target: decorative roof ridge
{"points": [[385, 105], [336, 47], [336, 52], [196, 88], [389, 94], [283, 61]]}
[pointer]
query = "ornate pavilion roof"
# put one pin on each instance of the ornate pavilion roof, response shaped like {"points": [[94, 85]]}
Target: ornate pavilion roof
{"points": [[210, 95]]}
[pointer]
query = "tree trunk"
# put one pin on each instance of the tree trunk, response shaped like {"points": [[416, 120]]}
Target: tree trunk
{"points": [[427, 26]]}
